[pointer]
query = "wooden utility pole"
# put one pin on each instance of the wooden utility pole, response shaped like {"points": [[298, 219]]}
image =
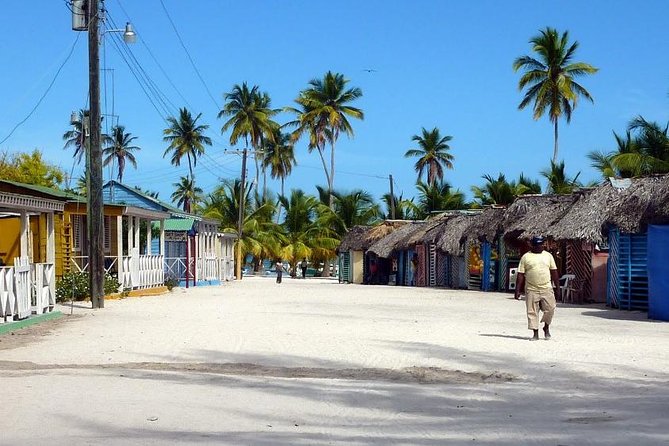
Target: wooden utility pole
{"points": [[95, 204], [240, 222], [392, 198]]}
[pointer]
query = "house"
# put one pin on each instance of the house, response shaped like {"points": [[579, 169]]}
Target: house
{"points": [[27, 250], [196, 252], [387, 249]]}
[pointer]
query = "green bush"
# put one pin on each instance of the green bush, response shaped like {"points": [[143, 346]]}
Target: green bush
{"points": [[75, 286], [171, 282]]}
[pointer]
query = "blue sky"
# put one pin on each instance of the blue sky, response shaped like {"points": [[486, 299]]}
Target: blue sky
{"points": [[438, 63]]}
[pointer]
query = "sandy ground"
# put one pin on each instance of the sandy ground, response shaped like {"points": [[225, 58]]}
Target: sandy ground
{"points": [[314, 362]]}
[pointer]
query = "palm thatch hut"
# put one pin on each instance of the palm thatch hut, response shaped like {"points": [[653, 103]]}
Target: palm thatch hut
{"points": [[352, 248], [616, 215], [450, 244], [400, 260], [482, 249]]}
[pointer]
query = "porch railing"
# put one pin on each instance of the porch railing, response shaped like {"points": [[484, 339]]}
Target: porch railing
{"points": [[144, 271], [176, 267], [16, 285], [208, 268], [80, 263]]}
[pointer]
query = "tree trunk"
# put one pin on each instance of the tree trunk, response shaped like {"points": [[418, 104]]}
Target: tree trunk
{"points": [[332, 172], [555, 148]]}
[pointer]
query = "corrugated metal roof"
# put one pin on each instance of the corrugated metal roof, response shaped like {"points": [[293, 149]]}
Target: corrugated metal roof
{"points": [[178, 224]]}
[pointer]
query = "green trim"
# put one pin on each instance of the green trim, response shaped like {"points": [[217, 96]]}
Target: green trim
{"points": [[18, 325], [48, 191]]}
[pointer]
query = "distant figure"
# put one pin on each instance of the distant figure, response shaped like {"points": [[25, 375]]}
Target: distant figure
{"points": [[414, 268], [279, 270], [373, 270], [303, 266], [538, 279]]}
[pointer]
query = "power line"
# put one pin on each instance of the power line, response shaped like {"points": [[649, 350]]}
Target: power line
{"points": [[53, 81], [189, 56]]}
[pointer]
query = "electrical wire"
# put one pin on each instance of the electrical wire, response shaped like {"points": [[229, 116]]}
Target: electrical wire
{"points": [[53, 81], [189, 56]]}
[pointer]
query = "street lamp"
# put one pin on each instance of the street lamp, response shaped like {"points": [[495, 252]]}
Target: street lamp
{"points": [[85, 17]]}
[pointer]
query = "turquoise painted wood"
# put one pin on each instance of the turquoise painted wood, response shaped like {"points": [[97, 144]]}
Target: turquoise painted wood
{"points": [[628, 284]]}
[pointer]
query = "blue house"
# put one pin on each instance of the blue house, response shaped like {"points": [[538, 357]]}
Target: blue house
{"points": [[194, 251]]}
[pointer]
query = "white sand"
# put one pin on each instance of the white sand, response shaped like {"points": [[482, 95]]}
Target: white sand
{"points": [[213, 365]]}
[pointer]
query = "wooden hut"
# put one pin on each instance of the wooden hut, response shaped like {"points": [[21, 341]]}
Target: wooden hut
{"points": [[386, 248], [450, 244], [354, 245], [616, 215], [422, 243], [484, 250], [531, 215]]}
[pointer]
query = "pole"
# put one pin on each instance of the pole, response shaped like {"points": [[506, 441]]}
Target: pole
{"points": [[95, 205], [392, 198], [241, 217]]}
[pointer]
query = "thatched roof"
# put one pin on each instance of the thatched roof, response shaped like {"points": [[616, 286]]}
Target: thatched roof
{"points": [[487, 225], [453, 232], [645, 201], [359, 238], [531, 215], [420, 235], [385, 246]]}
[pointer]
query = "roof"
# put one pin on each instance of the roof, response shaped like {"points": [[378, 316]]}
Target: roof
{"points": [[631, 209], [453, 232], [385, 246], [487, 225], [179, 224], [165, 206], [50, 191], [531, 215], [359, 238]]}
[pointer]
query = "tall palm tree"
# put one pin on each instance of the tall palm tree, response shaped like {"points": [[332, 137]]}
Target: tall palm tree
{"points": [[120, 149], [324, 113], [186, 194], [186, 138], [558, 181], [280, 156], [250, 117], [549, 78], [433, 155], [76, 136]]}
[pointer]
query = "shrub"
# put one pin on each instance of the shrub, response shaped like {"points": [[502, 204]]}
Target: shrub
{"points": [[75, 286], [171, 282]]}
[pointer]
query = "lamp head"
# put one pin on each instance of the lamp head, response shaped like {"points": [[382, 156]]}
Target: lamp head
{"points": [[129, 35]]}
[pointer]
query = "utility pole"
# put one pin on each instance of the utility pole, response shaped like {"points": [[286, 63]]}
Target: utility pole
{"points": [[238, 272], [392, 198], [95, 204]]}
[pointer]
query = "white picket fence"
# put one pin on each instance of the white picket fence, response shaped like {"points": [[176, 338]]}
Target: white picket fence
{"points": [[142, 271], [23, 284], [207, 268]]}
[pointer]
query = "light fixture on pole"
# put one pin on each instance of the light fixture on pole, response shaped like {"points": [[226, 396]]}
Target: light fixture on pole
{"points": [[85, 17]]}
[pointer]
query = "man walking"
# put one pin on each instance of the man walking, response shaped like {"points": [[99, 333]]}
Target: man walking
{"points": [[303, 267], [538, 278]]}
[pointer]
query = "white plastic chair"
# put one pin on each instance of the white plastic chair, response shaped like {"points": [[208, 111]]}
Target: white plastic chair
{"points": [[565, 287]]}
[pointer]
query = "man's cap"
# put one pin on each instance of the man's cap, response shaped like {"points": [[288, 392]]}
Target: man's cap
{"points": [[537, 240]]}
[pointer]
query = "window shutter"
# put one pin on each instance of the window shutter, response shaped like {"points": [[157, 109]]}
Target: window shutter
{"points": [[76, 233], [107, 234]]}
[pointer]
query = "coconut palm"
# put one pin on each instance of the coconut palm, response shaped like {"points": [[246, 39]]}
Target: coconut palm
{"points": [[186, 138], [502, 192], [550, 78], [323, 114], [604, 163], [76, 137], [354, 208], [433, 155], [186, 194], [250, 117], [306, 233], [437, 197], [649, 152], [120, 149], [558, 181], [279, 156], [402, 207]]}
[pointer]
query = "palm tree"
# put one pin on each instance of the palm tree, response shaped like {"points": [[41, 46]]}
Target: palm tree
{"points": [[550, 78], [354, 208], [280, 156], [403, 207], [502, 192], [323, 114], [650, 149], [186, 138], [187, 194], [437, 197], [76, 137], [558, 181], [432, 154], [120, 149], [306, 234], [250, 118]]}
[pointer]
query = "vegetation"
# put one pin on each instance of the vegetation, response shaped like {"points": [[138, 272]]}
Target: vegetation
{"points": [[29, 168], [186, 194], [186, 138], [432, 155], [75, 286], [119, 149], [550, 78]]}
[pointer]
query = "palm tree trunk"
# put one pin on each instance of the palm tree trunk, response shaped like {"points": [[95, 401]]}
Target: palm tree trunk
{"points": [[190, 167], [278, 211], [555, 148], [325, 167], [332, 172]]}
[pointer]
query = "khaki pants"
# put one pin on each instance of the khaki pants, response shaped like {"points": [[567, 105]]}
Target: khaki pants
{"points": [[543, 300]]}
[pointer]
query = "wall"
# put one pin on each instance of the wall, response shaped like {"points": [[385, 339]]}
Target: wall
{"points": [[599, 260], [10, 242], [357, 259]]}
